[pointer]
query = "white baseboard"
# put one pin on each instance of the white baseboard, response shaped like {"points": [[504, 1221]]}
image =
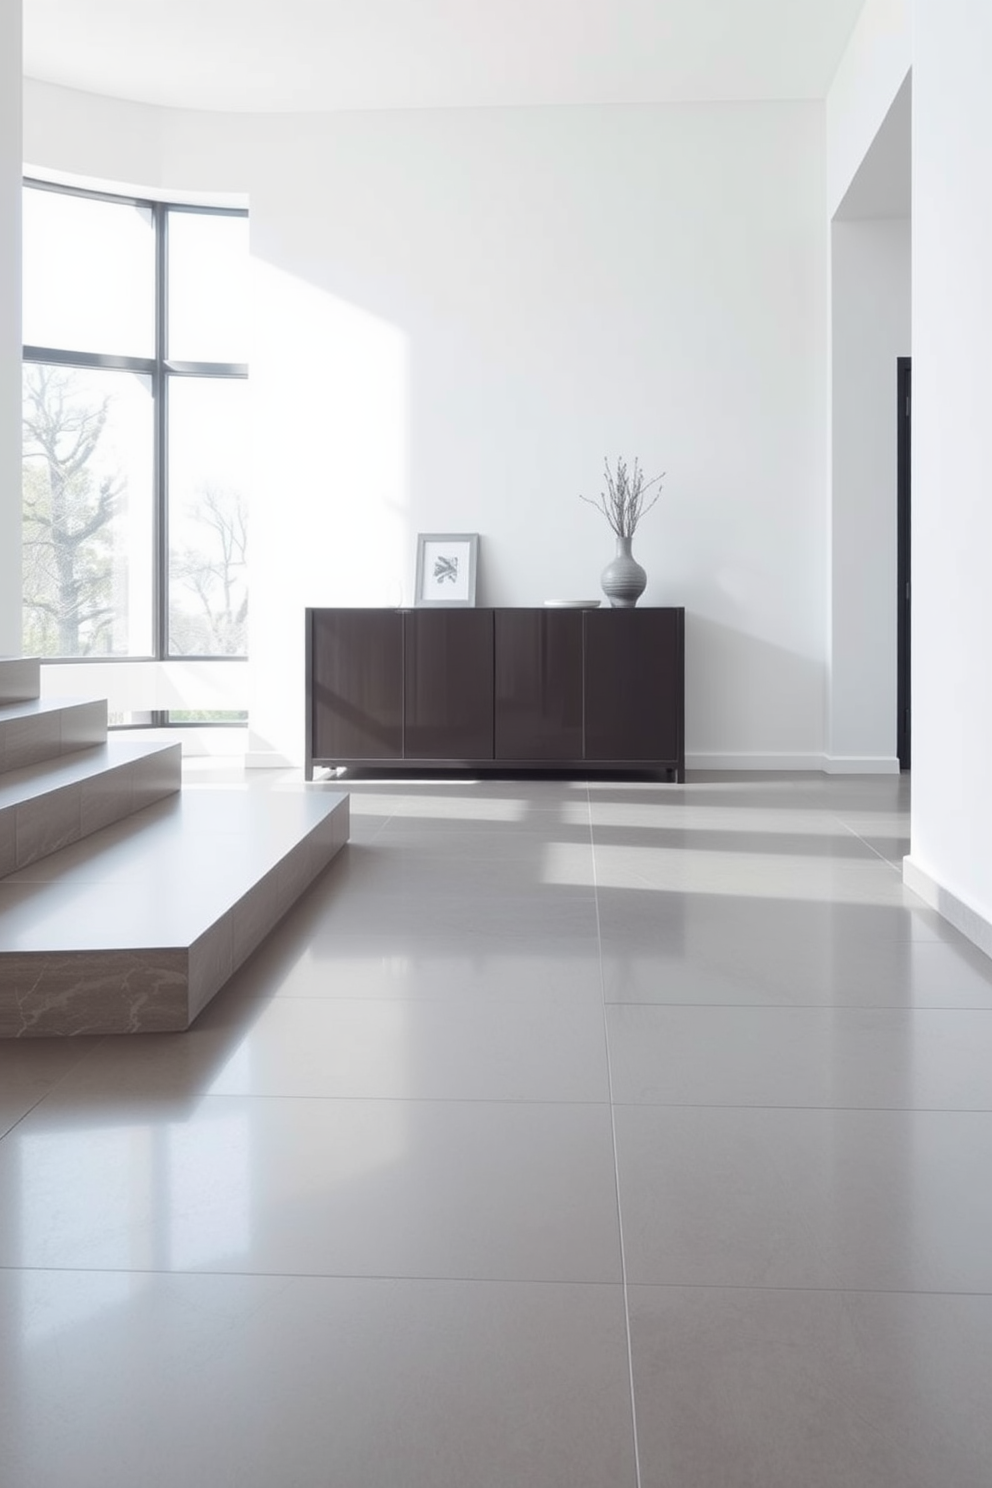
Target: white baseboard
{"points": [[860, 764], [819, 764], [806, 762], [954, 910]]}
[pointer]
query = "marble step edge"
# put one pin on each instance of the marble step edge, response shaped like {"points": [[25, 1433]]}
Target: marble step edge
{"points": [[20, 679], [38, 729], [45, 807], [163, 983]]}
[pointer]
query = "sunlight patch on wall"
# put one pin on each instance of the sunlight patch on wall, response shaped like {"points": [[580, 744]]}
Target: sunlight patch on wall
{"points": [[329, 392], [330, 397]]}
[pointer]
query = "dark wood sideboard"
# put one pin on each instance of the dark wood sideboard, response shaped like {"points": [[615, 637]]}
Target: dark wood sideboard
{"points": [[496, 690]]}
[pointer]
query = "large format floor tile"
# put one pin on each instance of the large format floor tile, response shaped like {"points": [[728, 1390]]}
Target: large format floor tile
{"points": [[801, 1056], [470, 972], [743, 1196], [506, 1191], [374, 1048], [551, 871], [798, 1389], [368, 955], [645, 919], [117, 1379], [397, 966], [28, 1074], [483, 938], [463, 916], [692, 960]]}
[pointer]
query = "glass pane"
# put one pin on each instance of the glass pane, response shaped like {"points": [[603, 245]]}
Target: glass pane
{"points": [[208, 516], [130, 720], [89, 274], [208, 280], [87, 490], [218, 716]]}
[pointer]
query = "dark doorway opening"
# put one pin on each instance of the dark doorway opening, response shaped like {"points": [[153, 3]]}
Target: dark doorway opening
{"points": [[903, 486]]}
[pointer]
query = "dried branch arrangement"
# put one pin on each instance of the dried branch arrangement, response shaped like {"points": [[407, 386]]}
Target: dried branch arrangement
{"points": [[623, 501]]}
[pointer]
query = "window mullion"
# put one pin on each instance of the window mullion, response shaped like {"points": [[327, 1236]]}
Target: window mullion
{"points": [[161, 477]]}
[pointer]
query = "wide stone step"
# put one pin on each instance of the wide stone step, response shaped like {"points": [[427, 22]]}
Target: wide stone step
{"points": [[45, 807], [20, 679], [45, 728], [135, 929]]}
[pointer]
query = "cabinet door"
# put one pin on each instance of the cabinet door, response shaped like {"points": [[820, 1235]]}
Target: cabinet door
{"points": [[538, 685], [357, 684], [449, 685], [633, 680]]}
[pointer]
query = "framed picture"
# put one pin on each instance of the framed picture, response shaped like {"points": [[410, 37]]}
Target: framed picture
{"points": [[446, 563]]}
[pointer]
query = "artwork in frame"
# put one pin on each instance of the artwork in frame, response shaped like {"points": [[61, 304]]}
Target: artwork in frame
{"points": [[446, 564]]}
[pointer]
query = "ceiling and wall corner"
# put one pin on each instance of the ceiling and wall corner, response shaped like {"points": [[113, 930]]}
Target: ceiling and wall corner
{"points": [[314, 56]]}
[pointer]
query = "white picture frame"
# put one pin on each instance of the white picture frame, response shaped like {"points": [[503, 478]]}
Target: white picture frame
{"points": [[446, 570]]}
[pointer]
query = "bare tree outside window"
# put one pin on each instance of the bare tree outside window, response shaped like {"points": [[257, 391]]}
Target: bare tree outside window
{"points": [[208, 610], [208, 516], [70, 502]]}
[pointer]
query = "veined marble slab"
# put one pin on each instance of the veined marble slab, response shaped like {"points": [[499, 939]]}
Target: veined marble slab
{"points": [[135, 929]]}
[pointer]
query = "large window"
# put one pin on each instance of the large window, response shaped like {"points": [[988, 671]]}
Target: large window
{"points": [[135, 428]]}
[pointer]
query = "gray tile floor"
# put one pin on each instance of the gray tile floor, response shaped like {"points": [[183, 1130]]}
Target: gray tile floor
{"points": [[565, 1136]]}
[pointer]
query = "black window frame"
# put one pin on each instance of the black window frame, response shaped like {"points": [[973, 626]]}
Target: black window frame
{"points": [[160, 369]]}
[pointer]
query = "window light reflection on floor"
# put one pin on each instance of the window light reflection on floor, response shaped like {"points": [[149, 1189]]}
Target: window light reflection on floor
{"points": [[680, 870], [54, 1303], [460, 808]]}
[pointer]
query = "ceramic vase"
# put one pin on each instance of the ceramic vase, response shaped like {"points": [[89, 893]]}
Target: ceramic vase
{"points": [[623, 579]]}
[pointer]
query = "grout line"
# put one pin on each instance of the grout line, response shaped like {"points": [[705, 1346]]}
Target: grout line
{"points": [[616, 1165], [507, 1281], [85, 1055], [871, 848], [414, 1277], [181, 1093]]}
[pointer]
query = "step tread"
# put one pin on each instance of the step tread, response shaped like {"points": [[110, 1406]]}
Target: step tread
{"points": [[33, 707], [161, 878], [41, 729], [31, 782]]}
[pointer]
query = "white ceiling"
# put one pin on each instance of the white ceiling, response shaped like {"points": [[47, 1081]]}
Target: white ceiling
{"points": [[306, 55]]}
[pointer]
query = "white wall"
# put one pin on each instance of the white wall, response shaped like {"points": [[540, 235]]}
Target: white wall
{"points": [[10, 330], [870, 329], [872, 70], [458, 314], [952, 460]]}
